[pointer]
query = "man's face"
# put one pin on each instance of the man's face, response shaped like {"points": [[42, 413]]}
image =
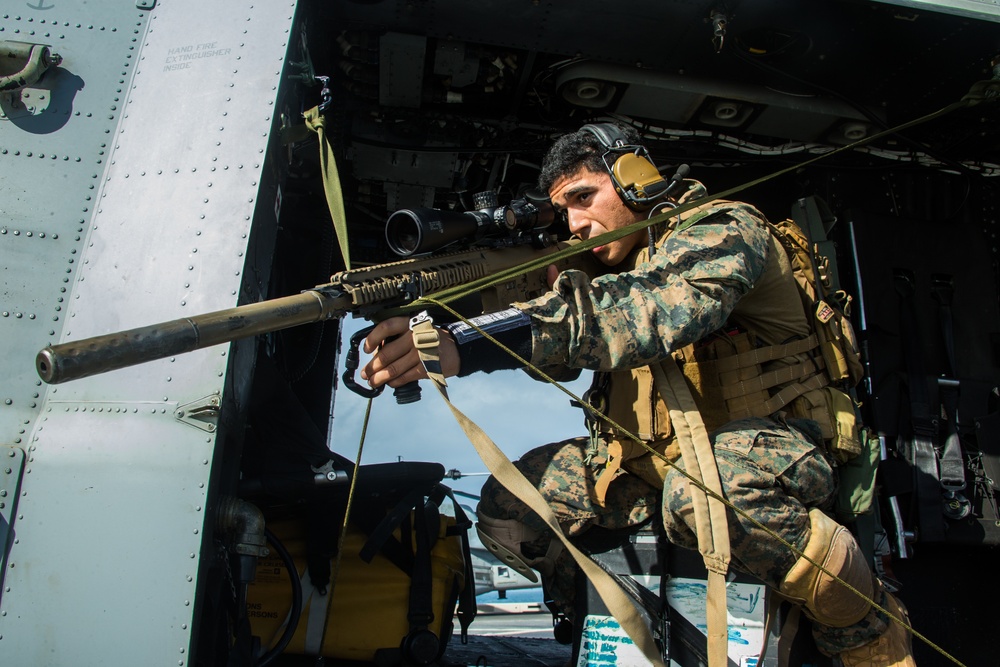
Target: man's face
{"points": [[593, 207]]}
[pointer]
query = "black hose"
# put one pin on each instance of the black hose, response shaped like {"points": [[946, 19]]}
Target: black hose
{"points": [[744, 56], [296, 612]]}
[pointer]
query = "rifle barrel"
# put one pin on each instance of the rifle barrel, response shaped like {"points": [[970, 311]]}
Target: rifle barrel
{"points": [[100, 354]]}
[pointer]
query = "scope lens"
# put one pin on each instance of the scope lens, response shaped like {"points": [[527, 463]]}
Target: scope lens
{"points": [[402, 232]]}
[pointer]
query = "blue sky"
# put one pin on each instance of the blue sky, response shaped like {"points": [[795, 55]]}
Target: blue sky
{"points": [[517, 413]]}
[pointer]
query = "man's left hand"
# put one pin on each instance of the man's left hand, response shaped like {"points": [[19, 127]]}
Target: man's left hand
{"points": [[395, 360]]}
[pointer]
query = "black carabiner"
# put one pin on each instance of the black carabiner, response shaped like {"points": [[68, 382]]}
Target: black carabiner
{"points": [[353, 361], [408, 393]]}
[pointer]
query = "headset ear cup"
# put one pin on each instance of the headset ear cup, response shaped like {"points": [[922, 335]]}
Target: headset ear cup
{"points": [[637, 180], [631, 169]]}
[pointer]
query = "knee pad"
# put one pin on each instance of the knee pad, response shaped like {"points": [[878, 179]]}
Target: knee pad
{"points": [[504, 537], [825, 599]]}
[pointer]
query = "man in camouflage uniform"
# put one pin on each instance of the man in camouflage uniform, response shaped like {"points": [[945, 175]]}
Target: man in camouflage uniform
{"points": [[704, 284]]}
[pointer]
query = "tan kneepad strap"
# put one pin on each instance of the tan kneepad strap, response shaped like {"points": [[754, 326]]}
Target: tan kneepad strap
{"points": [[506, 556], [504, 537]]}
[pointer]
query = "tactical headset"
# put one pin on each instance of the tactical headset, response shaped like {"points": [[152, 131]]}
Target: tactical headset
{"points": [[636, 179]]}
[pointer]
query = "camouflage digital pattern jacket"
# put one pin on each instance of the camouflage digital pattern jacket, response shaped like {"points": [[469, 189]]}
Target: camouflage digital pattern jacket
{"points": [[639, 316]]}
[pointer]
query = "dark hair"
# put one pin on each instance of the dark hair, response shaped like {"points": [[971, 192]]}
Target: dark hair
{"points": [[579, 149]]}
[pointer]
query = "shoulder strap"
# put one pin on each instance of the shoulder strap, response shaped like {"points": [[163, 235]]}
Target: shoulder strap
{"points": [[380, 538], [952, 462], [467, 607], [709, 511], [421, 640]]}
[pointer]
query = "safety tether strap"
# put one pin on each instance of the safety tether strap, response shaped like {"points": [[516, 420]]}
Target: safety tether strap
{"points": [[614, 598], [709, 512], [981, 91], [316, 122]]}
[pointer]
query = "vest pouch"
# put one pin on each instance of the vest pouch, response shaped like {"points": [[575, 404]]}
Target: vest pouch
{"points": [[838, 344], [635, 405], [856, 480], [845, 444], [834, 411], [852, 351]]}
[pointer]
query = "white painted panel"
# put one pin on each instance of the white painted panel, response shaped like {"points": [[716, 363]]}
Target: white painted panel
{"points": [[109, 526]]}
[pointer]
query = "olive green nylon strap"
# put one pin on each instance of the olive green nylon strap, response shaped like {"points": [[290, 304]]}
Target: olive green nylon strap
{"points": [[331, 181], [709, 512], [425, 338], [982, 91]]}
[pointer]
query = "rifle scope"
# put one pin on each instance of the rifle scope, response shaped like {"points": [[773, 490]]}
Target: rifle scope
{"points": [[417, 231]]}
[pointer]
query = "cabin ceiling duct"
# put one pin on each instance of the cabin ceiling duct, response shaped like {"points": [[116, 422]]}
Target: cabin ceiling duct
{"points": [[683, 100]]}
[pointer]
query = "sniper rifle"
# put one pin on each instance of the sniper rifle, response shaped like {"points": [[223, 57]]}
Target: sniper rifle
{"points": [[373, 292]]}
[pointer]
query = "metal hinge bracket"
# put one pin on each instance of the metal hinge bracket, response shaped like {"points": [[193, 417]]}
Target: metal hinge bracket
{"points": [[202, 414]]}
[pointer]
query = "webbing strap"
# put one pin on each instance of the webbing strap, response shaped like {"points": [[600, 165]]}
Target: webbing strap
{"points": [[709, 511], [952, 463], [760, 355], [614, 598], [786, 636], [790, 393], [740, 410], [421, 612], [611, 593], [317, 607], [467, 609], [609, 473], [773, 378], [316, 122], [427, 339]]}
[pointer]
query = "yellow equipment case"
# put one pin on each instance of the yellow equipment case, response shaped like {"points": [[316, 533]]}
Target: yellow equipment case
{"points": [[392, 597]]}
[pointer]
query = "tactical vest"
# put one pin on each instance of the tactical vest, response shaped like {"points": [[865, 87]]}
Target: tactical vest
{"points": [[782, 350]]}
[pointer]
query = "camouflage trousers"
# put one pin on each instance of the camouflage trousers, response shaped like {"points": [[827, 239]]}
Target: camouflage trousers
{"points": [[771, 470]]}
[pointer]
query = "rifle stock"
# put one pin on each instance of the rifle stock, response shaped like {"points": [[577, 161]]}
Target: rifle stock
{"points": [[366, 292]]}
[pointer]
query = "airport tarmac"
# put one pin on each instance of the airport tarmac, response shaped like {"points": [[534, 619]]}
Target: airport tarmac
{"points": [[511, 632]]}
